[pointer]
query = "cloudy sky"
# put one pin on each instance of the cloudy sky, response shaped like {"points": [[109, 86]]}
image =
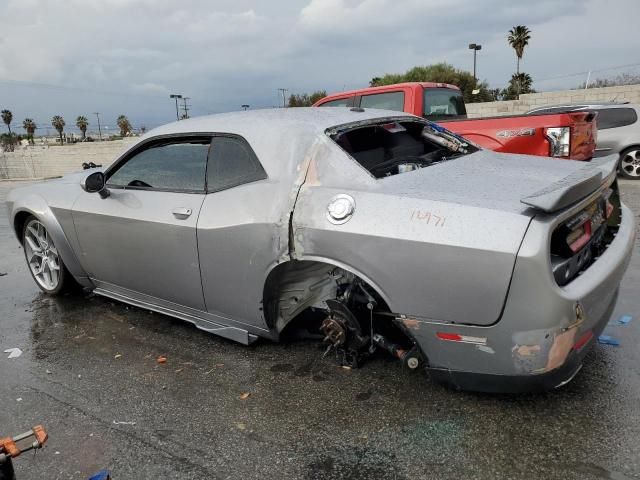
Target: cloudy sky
{"points": [[72, 57]]}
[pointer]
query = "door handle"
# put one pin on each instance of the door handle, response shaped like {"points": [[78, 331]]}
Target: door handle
{"points": [[182, 212]]}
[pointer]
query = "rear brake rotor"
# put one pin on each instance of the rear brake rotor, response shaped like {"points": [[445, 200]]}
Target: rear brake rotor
{"points": [[342, 331], [334, 331]]}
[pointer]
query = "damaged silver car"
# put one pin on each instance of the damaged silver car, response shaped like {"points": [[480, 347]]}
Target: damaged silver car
{"points": [[371, 229]]}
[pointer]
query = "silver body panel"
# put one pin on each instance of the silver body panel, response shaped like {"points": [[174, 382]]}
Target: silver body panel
{"points": [[240, 243], [133, 240], [452, 244]]}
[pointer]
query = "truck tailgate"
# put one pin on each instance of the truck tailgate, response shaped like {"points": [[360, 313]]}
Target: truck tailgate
{"points": [[527, 133]]}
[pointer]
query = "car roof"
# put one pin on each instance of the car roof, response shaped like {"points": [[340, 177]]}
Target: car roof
{"points": [[280, 137], [596, 106], [591, 106]]}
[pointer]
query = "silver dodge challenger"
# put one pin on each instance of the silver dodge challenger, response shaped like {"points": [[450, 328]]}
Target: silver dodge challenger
{"points": [[368, 230]]}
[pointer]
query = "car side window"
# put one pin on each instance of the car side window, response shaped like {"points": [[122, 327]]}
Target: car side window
{"points": [[385, 101], [232, 162], [615, 117], [341, 102], [443, 103], [173, 165]]}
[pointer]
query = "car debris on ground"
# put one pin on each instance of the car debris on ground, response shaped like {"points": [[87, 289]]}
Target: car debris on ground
{"points": [[13, 352], [625, 320], [608, 340]]}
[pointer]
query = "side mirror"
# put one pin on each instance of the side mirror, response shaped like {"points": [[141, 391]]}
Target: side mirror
{"points": [[95, 183]]}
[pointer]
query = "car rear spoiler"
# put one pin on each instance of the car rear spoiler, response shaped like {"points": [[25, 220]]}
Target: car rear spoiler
{"points": [[574, 187]]}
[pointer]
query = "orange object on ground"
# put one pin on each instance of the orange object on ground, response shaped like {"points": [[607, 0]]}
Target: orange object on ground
{"points": [[9, 445]]}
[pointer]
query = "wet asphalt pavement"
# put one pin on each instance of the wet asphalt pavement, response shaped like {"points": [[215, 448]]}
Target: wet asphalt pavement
{"points": [[90, 364]]}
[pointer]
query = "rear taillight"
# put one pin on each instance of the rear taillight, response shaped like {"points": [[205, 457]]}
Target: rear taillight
{"points": [[580, 240], [579, 237], [559, 141]]}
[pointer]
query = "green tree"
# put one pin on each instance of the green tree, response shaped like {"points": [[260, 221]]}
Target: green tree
{"points": [[306, 99], [440, 73], [7, 117], [82, 123], [496, 94], [518, 38], [8, 142], [124, 125], [57, 122], [519, 83], [30, 127]]}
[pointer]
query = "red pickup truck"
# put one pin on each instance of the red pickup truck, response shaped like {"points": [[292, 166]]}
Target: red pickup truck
{"points": [[563, 135]]}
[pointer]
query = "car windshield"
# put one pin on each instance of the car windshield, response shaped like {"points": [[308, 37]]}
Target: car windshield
{"points": [[443, 103], [393, 147]]}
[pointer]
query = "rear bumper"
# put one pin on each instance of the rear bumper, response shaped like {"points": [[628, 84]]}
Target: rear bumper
{"points": [[544, 331], [550, 380], [487, 383]]}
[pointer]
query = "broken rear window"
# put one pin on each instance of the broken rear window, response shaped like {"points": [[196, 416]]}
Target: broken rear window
{"points": [[394, 147]]}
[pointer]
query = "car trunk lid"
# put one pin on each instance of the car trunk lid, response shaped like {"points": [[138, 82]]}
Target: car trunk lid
{"points": [[519, 184]]}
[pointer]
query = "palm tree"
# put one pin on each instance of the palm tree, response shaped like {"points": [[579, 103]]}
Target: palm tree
{"points": [[518, 38], [523, 81], [82, 123], [57, 122], [7, 117], [124, 125], [30, 126]]}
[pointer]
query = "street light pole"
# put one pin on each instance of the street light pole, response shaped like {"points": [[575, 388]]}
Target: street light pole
{"points": [[97, 114], [185, 107], [284, 96], [176, 97], [475, 47]]}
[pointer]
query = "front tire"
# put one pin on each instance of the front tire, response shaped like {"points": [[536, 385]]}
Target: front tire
{"points": [[44, 262], [630, 163]]}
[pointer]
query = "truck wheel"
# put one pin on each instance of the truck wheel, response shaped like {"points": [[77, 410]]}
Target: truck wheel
{"points": [[630, 163]]}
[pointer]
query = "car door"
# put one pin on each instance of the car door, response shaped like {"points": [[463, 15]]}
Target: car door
{"points": [[141, 241]]}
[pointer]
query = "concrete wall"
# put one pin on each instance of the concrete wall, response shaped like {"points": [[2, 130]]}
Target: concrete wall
{"points": [[41, 162], [629, 93]]}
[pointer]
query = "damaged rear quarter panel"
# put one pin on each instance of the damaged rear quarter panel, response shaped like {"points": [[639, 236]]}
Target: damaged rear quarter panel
{"points": [[429, 259]]}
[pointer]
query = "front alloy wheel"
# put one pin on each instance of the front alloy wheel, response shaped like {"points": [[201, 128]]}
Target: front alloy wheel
{"points": [[43, 260], [630, 164]]}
